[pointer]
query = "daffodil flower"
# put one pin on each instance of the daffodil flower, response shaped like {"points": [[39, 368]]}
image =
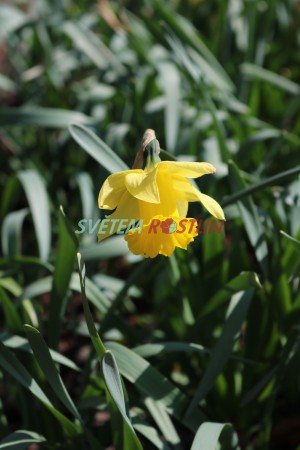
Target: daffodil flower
{"points": [[160, 190]]}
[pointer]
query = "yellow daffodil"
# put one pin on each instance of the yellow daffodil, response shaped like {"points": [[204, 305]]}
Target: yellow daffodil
{"points": [[161, 241], [159, 191]]}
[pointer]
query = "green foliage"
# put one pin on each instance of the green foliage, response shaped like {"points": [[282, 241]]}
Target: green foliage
{"points": [[193, 352]]}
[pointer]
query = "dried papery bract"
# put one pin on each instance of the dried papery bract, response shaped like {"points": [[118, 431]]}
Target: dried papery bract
{"points": [[148, 136]]}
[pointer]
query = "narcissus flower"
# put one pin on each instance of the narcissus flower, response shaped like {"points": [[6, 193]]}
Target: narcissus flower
{"points": [[159, 191]]}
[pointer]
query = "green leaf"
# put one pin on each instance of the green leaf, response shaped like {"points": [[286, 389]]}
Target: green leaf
{"points": [[207, 436], [11, 232], [170, 82], [242, 282], [259, 186], [261, 136], [185, 31], [236, 314], [64, 266], [85, 184], [44, 359], [90, 44], [255, 390], [20, 440], [12, 319], [44, 117], [11, 285], [112, 247], [113, 383], [7, 85], [256, 72], [250, 217], [44, 285], [93, 293], [148, 350], [96, 340], [135, 275], [152, 383], [96, 148], [295, 242], [219, 128], [163, 422], [20, 343], [151, 434], [12, 365], [36, 194]]}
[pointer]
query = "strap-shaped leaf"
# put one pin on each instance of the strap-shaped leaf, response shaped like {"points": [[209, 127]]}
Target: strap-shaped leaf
{"points": [[19, 440], [45, 361], [96, 148], [113, 383]]}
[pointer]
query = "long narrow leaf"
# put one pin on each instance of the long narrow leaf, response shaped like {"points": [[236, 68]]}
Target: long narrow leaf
{"points": [[44, 359], [36, 194], [220, 355], [64, 266], [96, 148]]}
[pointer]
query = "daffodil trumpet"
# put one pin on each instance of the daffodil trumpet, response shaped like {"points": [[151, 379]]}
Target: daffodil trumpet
{"points": [[155, 189]]}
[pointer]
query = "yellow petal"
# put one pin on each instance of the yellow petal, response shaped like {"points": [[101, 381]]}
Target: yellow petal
{"points": [[182, 207], [150, 244], [112, 190], [212, 206], [167, 206], [187, 169], [128, 208], [142, 185], [184, 190]]}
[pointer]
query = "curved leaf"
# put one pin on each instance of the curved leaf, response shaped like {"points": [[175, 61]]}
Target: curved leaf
{"points": [[96, 148], [36, 194]]}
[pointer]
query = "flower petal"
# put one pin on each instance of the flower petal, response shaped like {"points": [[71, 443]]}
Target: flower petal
{"points": [[149, 244], [128, 208], [182, 207], [112, 190], [184, 190], [212, 206], [142, 185], [187, 169]]}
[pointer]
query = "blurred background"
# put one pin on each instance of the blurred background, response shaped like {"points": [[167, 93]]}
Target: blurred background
{"points": [[206, 338]]}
